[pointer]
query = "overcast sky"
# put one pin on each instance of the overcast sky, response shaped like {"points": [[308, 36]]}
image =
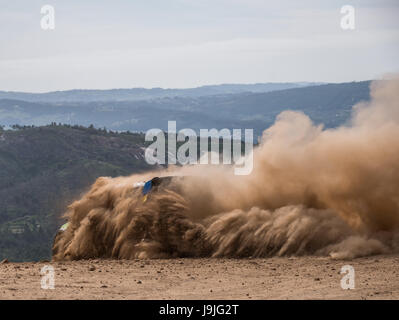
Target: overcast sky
{"points": [[187, 43]]}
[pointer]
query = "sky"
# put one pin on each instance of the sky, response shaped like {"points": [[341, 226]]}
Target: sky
{"points": [[98, 44]]}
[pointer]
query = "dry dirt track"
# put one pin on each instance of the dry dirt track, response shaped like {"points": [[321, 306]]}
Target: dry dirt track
{"points": [[274, 278]]}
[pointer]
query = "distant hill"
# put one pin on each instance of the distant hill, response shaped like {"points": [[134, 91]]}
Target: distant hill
{"points": [[329, 104], [144, 94], [43, 169]]}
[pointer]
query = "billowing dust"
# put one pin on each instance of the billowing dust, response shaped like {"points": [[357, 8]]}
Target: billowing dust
{"points": [[312, 191]]}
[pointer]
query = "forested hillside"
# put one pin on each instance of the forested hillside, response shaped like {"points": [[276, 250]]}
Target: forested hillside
{"points": [[42, 169]]}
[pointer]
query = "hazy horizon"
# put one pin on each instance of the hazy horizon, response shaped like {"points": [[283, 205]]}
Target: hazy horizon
{"points": [[183, 88], [310, 83]]}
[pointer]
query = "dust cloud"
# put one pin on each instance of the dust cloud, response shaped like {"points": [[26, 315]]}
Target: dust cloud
{"points": [[313, 191]]}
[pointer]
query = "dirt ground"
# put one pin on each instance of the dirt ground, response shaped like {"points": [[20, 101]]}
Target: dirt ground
{"points": [[273, 278]]}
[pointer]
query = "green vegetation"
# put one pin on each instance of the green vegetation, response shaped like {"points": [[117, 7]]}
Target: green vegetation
{"points": [[43, 169]]}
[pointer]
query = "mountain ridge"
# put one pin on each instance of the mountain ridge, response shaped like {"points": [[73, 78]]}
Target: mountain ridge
{"points": [[131, 94], [330, 104]]}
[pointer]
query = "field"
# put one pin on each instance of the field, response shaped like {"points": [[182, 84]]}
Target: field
{"points": [[376, 277]]}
